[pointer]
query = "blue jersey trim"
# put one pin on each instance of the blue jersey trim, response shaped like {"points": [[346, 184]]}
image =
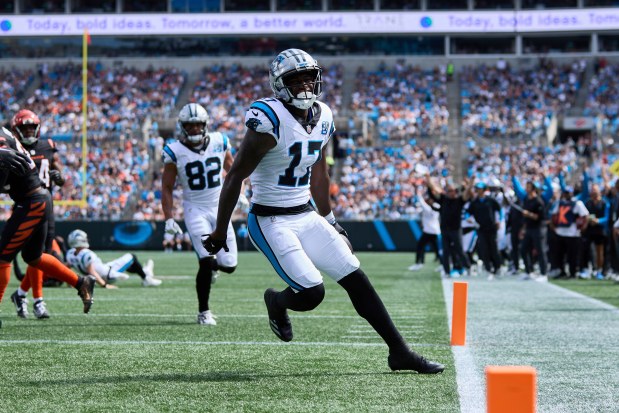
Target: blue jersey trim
{"points": [[255, 232], [127, 265], [167, 150], [269, 113]]}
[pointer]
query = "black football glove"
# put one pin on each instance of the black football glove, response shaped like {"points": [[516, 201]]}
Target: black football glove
{"points": [[56, 177], [344, 235], [339, 229], [213, 245], [13, 161]]}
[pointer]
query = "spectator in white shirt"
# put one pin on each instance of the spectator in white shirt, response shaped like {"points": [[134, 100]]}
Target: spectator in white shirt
{"points": [[568, 220], [431, 230]]}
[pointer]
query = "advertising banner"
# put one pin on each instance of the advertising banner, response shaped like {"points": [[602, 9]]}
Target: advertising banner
{"points": [[316, 23], [578, 122]]}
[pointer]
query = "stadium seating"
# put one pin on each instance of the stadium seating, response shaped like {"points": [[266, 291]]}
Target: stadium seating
{"points": [[404, 103], [502, 101]]}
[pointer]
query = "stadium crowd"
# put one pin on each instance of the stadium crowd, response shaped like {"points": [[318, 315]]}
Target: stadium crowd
{"points": [[379, 183], [502, 101], [12, 87], [603, 98], [577, 207], [406, 103]]}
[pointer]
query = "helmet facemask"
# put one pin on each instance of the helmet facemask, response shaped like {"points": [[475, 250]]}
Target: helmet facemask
{"points": [[292, 63], [27, 126], [193, 114], [195, 138], [305, 98], [28, 134]]}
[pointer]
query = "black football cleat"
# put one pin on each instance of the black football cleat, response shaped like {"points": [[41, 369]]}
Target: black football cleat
{"points": [[278, 317], [413, 361], [21, 305], [85, 289]]}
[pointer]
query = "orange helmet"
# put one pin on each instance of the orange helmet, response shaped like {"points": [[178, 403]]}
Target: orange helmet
{"points": [[24, 118]]}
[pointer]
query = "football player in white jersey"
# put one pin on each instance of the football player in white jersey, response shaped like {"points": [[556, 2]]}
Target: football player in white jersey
{"points": [[198, 160], [84, 260], [283, 151]]}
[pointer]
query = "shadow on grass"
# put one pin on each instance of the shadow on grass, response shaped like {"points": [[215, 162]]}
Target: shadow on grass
{"points": [[219, 376]]}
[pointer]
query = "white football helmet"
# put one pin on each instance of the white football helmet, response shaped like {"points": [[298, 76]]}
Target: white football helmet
{"points": [[288, 63], [78, 239], [193, 113]]}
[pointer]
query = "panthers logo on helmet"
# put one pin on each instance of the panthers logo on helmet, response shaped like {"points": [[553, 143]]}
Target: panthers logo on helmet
{"points": [[253, 123]]}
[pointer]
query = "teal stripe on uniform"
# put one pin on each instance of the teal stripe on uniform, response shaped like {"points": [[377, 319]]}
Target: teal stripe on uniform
{"points": [[269, 113], [127, 265], [167, 150], [258, 237], [384, 235]]}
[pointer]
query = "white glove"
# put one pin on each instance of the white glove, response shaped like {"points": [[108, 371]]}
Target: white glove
{"points": [[171, 227]]}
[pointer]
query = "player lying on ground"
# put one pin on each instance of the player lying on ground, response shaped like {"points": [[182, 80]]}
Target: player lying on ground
{"points": [[83, 259]]}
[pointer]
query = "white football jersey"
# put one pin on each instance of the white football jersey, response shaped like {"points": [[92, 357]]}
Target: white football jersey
{"points": [[282, 177], [82, 259], [199, 171]]}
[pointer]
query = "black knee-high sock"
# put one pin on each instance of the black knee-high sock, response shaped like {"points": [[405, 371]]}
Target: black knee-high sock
{"points": [[136, 268], [369, 306], [203, 282], [305, 300], [18, 272]]}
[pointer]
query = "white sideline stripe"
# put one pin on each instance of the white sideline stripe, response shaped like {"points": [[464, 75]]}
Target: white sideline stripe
{"points": [[202, 343], [586, 298], [471, 387]]}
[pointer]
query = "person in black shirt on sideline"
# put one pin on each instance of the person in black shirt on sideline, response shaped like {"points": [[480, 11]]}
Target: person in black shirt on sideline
{"points": [[514, 223], [451, 226], [487, 213], [597, 229], [532, 241]]}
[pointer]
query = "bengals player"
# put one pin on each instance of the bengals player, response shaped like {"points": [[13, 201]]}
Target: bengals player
{"points": [[26, 127], [26, 229]]}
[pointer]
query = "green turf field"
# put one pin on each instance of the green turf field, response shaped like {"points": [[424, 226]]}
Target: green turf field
{"points": [[605, 290], [141, 350]]}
